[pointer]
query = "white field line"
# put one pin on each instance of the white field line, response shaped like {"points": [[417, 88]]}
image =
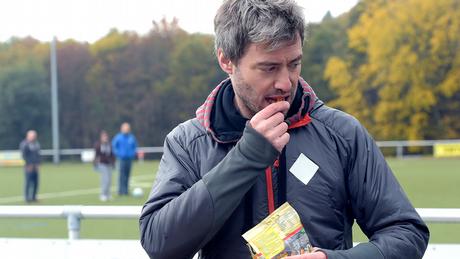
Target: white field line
{"points": [[134, 183], [50, 195]]}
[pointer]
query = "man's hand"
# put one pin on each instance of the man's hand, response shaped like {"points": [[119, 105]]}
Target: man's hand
{"points": [[314, 255], [270, 123]]}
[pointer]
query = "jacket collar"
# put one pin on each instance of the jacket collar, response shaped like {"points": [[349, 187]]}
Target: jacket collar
{"points": [[299, 118]]}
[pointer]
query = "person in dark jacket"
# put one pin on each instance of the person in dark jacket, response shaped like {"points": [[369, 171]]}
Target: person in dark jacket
{"points": [[124, 146], [263, 138], [104, 161], [30, 150]]}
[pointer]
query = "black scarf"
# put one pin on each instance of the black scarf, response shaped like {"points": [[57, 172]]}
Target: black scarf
{"points": [[227, 122]]}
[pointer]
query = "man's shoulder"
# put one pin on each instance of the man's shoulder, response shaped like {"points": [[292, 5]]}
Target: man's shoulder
{"points": [[23, 144], [131, 136], [187, 131], [339, 122], [118, 136]]}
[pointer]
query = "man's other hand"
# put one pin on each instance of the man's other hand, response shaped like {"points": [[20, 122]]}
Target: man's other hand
{"points": [[314, 255]]}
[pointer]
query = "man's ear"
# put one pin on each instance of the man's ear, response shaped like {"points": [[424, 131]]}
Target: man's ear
{"points": [[225, 63]]}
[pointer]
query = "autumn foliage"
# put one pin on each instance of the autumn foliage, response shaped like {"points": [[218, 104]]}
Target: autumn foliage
{"points": [[394, 65]]}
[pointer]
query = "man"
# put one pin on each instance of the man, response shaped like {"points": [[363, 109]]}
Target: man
{"points": [[124, 146], [30, 150], [246, 153]]}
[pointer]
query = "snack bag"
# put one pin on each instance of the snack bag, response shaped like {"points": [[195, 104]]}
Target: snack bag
{"points": [[279, 235]]}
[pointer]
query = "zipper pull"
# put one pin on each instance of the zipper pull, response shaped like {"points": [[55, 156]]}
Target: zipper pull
{"points": [[276, 164]]}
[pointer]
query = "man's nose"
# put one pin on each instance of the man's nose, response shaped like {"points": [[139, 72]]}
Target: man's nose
{"points": [[283, 81]]}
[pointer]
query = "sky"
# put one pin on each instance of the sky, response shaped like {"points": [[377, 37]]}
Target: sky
{"points": [[90, 20]]}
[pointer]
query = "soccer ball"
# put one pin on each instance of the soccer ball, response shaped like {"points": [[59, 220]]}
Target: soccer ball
{"points": [[138, 192]]}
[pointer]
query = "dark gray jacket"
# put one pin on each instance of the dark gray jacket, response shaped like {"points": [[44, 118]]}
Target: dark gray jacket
{"points": [[30, 152], [208, 191]]}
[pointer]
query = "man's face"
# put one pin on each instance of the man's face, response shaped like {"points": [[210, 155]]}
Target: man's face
{"points": [[104, 138], [31, 136], [125, 128], [262, 77]]}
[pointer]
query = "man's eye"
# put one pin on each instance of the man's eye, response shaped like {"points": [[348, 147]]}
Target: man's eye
{"points": [[295, 65], [269, 69]]}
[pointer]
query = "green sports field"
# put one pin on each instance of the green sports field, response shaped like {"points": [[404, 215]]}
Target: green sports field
{"points": [[71, 184], [429, 183]]}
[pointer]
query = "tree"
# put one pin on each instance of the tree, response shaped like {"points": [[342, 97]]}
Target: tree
{"points": [[323, 41], [74, 62], [24, 92], [401, 76]]}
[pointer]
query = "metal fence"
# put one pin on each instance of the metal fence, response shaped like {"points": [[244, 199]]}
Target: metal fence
{"points": [[399, 146], [75, 214], [121, 249]]}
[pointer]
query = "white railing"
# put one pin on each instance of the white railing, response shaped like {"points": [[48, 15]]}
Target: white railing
{"points": [[78, 151], [121, 249], [398, 144], [74, 214], [401, 144], [440, 215]]}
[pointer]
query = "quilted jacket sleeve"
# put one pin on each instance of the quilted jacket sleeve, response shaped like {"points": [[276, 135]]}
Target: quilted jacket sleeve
{"points": [[380, 206], [183, 213]]}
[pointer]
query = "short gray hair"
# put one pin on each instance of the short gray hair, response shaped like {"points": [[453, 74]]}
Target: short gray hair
{"points": [[239, 23]]}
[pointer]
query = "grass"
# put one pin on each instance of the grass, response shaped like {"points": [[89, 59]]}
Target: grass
{"points": [[57, 184], [429, 183]]}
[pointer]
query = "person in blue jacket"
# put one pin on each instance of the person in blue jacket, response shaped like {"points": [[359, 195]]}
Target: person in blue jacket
{"points": [[124, 146]]}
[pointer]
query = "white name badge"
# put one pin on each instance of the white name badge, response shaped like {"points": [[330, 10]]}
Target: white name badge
{"points": [[304, 169]]}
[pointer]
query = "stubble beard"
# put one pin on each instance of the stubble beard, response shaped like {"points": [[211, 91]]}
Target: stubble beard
{"points": [[243, 92]]}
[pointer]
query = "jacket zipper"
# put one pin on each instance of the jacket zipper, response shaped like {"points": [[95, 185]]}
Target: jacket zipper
{"points": [[268, 171], [270, 195]]}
